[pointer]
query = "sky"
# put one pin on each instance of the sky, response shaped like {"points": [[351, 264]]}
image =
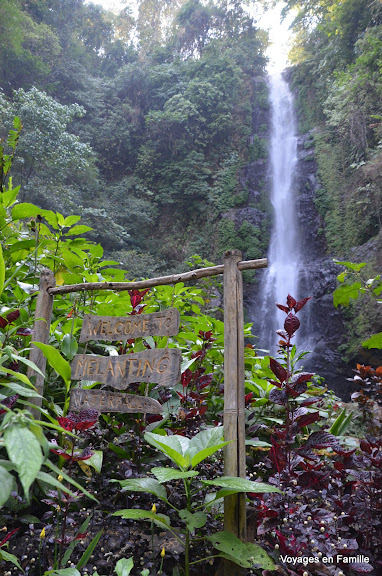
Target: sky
{"points": [[279, 33]]}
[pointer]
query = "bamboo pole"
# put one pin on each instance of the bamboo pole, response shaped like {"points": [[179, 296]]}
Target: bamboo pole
{"points": [[160, 281], [234, 402], [43, 314]]}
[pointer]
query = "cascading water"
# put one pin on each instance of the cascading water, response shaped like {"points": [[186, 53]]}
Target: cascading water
{"points": [[281, 278]]}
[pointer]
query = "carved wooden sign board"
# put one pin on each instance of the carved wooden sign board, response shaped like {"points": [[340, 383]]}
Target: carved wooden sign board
{"points": [[158, 365]]}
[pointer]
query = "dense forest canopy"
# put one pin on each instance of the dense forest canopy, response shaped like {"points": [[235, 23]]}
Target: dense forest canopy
{"points": [[126, 116]]}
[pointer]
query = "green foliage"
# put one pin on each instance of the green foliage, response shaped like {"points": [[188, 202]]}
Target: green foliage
{"points": [[186, 454], [349, 289]]}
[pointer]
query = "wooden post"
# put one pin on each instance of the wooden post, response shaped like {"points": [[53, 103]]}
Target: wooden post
{"points": [[234, 397], [43, 314]]}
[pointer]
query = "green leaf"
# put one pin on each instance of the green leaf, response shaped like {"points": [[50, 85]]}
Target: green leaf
{"points": [[204, 444], [2, 271], [158, 519], [69, 346], [60, 365], [70, 220], [374, 341], [69, 551], [59, 472], [175, 447], [23, 450], [196, 520], [6, 483], [342, 295], [89, 550], [63, 572], [241, 485], [168, 474], [17, 375], [124, 566], [18, 389], [245, 554], [80, 229], [96, 461], [48, 479], [10, 558], [25, 210], [351, 265], [149, 485], [258, 444]]}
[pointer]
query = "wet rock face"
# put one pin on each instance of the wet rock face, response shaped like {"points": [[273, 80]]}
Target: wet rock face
{"points": [[322, 327]]}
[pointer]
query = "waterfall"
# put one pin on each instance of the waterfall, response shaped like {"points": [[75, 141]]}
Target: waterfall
{"points": [[281, 278]]}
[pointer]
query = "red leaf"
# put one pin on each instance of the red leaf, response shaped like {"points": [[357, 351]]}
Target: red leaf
{"points": [[79, 422], [136, 296], [8, 402], [8, 536], [283, 308], [12, 316], [248, 398], [308, 419], [291, 324], [300, 304], [278, 396], [321, 439], [186, 377], [277, 457], [278, 370], [301, 377], [310, 401], [3, 322], [291, 302], [24, 331], [203, 381]]}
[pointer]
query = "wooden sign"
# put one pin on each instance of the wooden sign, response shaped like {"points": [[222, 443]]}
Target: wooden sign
{"points": [[159, 365], [111, 328], [105, 401]]}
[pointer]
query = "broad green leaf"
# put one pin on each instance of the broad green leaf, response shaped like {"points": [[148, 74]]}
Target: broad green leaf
{"points": [[80, 229], [375, 341], [149, 485], [60, 365], [246, 554], [70, 220], [175, 447], [25, 210], [168, 474], [351, 265], [18, 389], [24, 450], [159, 519], [96, 460], [10, 558], [6, 483], [124, 566], [204, 444], [241, 485], [10, 196], [343, 293], [69, 346], [2, 271], [196, 520], [63, 572]]}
